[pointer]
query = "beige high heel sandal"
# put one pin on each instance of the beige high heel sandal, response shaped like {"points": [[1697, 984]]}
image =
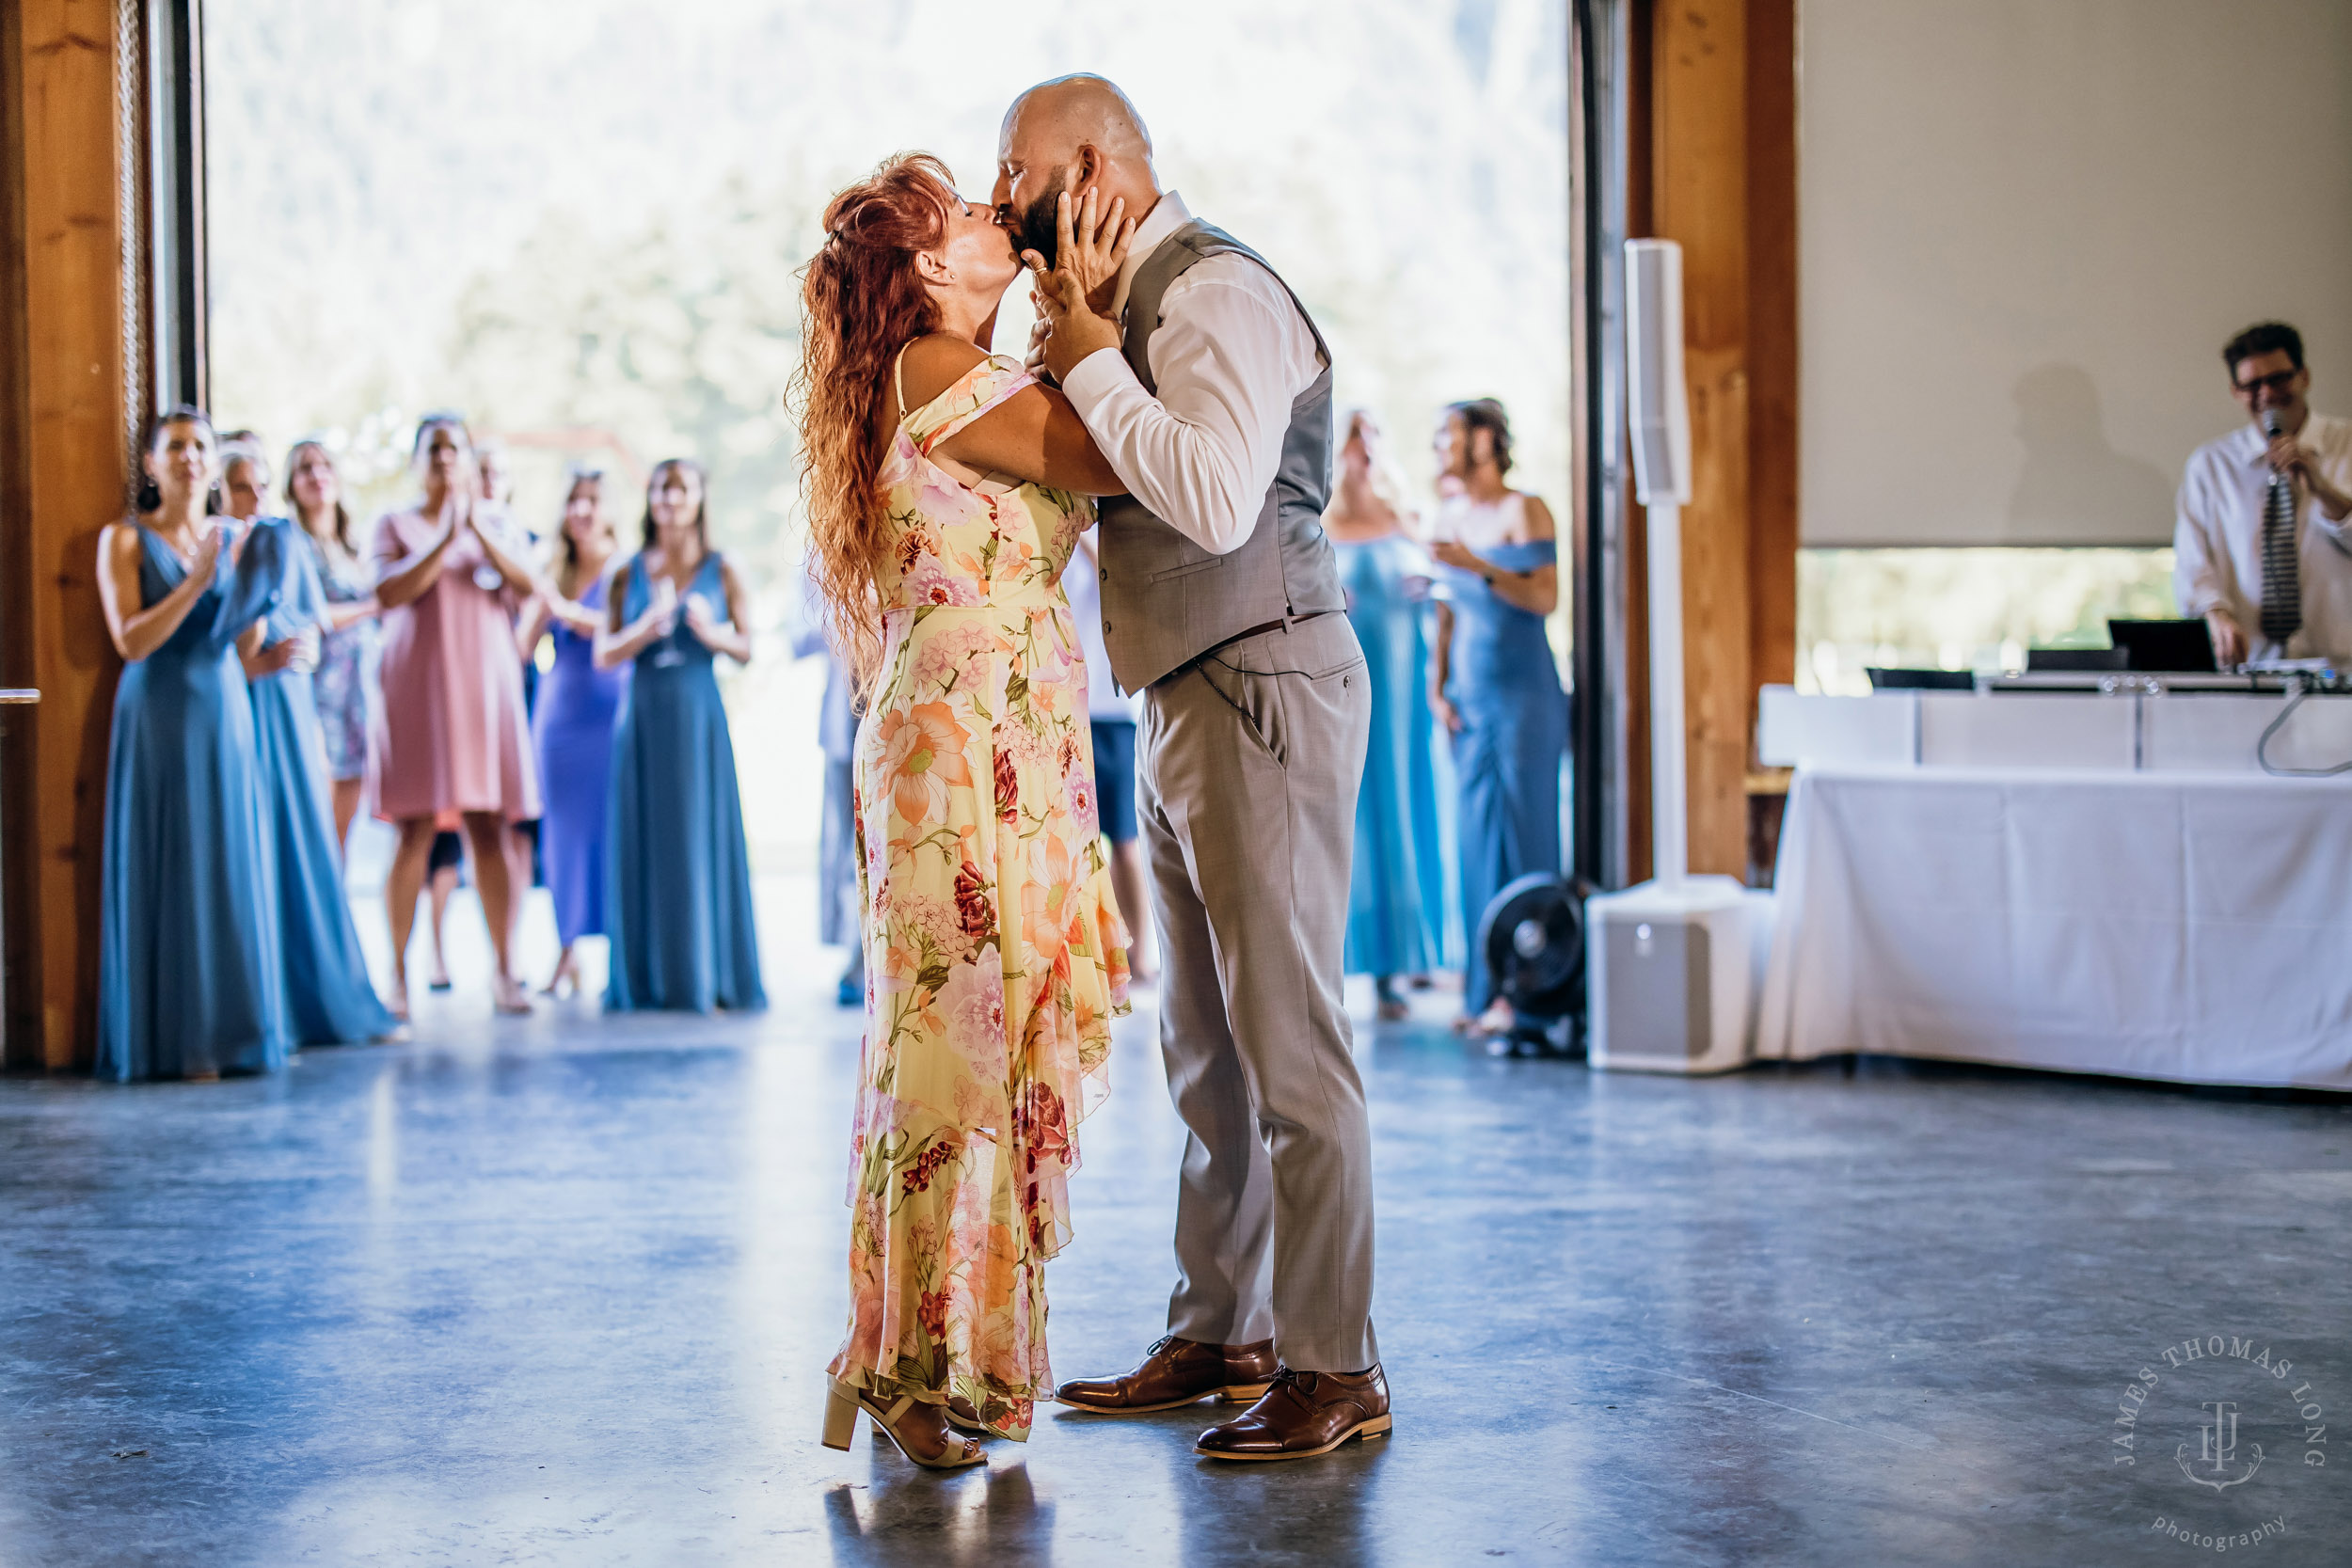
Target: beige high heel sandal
{"points": [[842, 1405]]}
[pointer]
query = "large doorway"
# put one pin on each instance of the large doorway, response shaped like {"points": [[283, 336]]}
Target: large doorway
{"points": [[580, 220]]}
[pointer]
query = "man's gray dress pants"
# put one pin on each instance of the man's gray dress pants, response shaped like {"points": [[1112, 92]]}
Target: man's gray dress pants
{"points": [[1248, 768]]}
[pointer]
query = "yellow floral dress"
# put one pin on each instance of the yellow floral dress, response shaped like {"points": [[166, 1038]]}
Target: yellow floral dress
{"points": [[994, 955]]}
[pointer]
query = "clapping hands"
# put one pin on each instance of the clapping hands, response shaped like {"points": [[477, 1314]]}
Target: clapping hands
{"points": [[300, 652], [699, 619], [663, 611], [1452, 552], [1073, 296], [209, 550]]}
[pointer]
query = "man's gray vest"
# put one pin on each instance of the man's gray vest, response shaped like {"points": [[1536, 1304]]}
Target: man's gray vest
{"points": [[1166, 601]]}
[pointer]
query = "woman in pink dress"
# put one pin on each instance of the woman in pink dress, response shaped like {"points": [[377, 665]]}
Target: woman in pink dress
{"points": [[449, 571]]}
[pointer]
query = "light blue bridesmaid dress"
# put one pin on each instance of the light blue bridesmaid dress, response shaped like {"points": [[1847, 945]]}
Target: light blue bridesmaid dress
{"points": [[1432, 804], [1391, 928], [188, 974], [1501, 681], [677, 880], [330, 998]]}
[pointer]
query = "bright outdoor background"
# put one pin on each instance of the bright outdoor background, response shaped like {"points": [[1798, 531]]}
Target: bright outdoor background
{"points": [[579, 221], [1978, 608]]}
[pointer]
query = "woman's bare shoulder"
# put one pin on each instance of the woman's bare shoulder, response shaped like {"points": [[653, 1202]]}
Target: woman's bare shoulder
{"points": [[933, 363], [1536, 523]]}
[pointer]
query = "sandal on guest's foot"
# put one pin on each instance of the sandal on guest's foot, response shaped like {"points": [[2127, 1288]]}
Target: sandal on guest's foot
{"points": [[843, 1403]]}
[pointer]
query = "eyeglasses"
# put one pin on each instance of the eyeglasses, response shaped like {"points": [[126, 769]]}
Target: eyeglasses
{"points": [[2279, 382]]}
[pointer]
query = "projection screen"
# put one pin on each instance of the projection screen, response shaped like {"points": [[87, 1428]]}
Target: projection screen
{"points": [[2028, 226]]}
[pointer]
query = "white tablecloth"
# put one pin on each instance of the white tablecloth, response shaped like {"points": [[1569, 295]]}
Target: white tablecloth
{"points": [[2196, 928]]}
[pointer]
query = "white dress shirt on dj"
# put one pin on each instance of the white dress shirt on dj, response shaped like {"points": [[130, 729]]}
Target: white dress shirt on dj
{"points": [[2218, 540]]}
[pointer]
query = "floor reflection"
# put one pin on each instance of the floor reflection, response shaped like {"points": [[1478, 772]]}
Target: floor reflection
{"points": [[564, 1292], [989, 1515]]}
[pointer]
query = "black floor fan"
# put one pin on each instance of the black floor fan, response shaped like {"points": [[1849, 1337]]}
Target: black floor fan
{"points": [[1531, 940]]}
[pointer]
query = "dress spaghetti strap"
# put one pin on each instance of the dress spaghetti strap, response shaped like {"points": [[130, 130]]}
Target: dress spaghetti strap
{"points": [[975, 392]]}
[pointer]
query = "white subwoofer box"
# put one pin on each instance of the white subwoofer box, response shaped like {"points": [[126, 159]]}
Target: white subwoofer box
{"points": [[1669, 971]]}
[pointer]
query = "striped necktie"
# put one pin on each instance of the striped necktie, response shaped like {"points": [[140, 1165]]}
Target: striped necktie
{"points": [[2282, 589]]}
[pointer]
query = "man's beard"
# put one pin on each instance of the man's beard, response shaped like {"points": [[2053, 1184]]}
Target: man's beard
{"points": [[1038, 228]]}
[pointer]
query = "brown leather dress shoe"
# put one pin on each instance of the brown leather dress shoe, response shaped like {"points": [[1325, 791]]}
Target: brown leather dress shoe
{"points": [[1303, 1414], [1178, 1373]]}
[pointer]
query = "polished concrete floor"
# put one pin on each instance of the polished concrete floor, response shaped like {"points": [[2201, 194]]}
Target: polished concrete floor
{"points": [[560, 1292]]}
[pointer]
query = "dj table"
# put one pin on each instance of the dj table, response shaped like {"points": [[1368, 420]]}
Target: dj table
{"points": [[2154, 907]]}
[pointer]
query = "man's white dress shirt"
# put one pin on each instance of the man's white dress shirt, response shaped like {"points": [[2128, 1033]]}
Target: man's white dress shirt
{"points": [[2218, 540], [1231, 355]]}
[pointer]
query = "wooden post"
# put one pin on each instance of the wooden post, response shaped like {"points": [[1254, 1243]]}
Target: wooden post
{"points": [[1716, 172], [65, 365], [1771, 344], [1700, 190]]}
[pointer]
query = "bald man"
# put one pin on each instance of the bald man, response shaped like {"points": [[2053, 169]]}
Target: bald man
{"points": [[1208, 387]]}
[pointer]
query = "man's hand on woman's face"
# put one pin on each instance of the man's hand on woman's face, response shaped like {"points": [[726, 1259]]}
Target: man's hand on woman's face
{"points": [[1073, 332], [1073, 296], [1090, 245]]}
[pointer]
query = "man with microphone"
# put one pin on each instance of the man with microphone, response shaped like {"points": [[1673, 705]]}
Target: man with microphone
{"points": [[2260, 547]]}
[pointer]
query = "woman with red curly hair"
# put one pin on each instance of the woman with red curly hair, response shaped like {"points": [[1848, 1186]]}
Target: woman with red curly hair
{"points": [[946, 489]]}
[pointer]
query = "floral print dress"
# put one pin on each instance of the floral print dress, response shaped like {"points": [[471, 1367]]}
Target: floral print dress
{"points": [[350, 705], [994, 955]]}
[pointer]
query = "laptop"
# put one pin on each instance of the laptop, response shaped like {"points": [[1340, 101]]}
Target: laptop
{"points": [[1920, 680], [2072, 660], [2170, 647]]}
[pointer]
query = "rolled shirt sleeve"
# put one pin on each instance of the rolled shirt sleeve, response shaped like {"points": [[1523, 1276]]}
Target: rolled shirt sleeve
{"points": [[1230, 354]]}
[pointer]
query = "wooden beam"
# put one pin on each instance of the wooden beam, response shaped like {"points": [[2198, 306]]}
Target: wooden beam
{"points": [[1633, 535], [1712, 166], [1700, 193], [1771, 343], [62, 479]]}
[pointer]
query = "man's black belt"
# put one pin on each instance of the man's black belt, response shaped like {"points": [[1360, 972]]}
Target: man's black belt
{"points": [[1260, 629]]}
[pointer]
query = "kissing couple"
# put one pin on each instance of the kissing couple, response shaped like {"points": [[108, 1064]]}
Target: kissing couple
{"points": [[1179, 394]]}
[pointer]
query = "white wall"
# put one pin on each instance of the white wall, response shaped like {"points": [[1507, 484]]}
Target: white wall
{"points": [[2028, 226]]}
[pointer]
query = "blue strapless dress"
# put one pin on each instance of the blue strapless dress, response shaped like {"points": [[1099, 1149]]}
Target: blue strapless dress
{"points": [[189, 980], [572, 725], [1395, 926], [677, 878], [329, 997], [1501, 680]]}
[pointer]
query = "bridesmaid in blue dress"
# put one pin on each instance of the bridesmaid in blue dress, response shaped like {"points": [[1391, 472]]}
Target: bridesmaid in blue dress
{"points": [[572, 724], [330, 998], [188, 978], [678, 882], [1391, 930], [1494, 681]]}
